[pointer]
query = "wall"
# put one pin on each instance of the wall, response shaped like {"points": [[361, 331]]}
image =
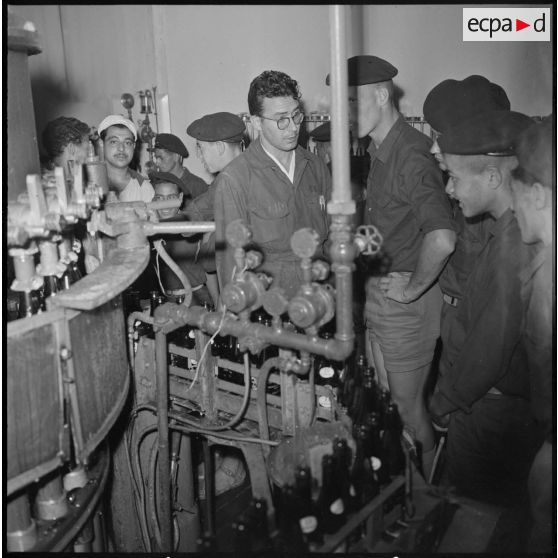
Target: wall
{"points": [[425, 44], [205, 56]]}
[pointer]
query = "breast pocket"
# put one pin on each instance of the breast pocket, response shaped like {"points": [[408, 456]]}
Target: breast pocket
{"points": [[270, 225]]}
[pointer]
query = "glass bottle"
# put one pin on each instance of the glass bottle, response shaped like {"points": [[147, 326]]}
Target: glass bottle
{"points": [[330, 501], [394, 455], [242, 536], [257, 513], [307, 512], [290, 539], [364, 485], [342, 456]]}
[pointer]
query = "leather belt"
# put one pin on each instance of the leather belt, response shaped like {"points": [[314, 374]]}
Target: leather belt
{"points": [[451, 300]]}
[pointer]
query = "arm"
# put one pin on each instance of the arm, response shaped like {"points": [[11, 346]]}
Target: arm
{"points": [[435, 250], [229, 205]]}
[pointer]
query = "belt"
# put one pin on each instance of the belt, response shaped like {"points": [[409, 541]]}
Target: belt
{"points": [[451, 300]]}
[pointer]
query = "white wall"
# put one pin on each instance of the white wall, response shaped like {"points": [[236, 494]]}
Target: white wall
{"points": [[425, 44]]}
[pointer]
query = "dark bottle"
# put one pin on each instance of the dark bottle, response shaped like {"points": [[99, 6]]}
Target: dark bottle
{"points": [[384, 399], [30, 303], [290, 539], [257, 513], [206, 544], [342, 456], [364, 485], [394, 457], [71, 275], [375, 449], [356, 405], [330, 501], [242, 537], [50, 287], [307, 511]]}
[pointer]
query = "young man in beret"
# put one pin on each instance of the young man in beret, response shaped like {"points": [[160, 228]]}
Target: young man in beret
{"points": [[119, 136], [406, 202], [483, 398], [181, 250], [449, 103], [275, 186], [534, 198], [170, 152], [219, 138]]}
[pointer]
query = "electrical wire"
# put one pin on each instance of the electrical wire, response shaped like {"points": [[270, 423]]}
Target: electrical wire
{"points": [[153, 455]]}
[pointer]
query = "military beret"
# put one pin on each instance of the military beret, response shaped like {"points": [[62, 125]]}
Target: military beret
{"points": [[451, 101], [365, 69], [171, 143], [157, 177], [535, 149], [219, 126], [486, 133], [321, 132]]}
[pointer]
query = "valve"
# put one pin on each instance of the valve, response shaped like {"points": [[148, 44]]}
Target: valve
{"points": [[312, 306], [305, 242], [275, 301], [368, 239], [245, 292]]}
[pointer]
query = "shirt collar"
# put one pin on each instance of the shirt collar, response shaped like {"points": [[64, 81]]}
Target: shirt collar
{"points": [[386, 147], [262, 159]]}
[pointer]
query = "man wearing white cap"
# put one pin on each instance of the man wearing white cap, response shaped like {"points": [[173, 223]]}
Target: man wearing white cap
{"points": [[119, 136]]}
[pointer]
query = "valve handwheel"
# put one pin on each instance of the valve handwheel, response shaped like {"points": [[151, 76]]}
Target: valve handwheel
{"points": [[369, 239]]}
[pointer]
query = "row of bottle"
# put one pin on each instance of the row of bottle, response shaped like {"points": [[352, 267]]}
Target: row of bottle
{"points": [[305, 511], [23, 304]]}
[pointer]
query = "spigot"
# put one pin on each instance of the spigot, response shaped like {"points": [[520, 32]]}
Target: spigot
{"points": [[312, 307]]}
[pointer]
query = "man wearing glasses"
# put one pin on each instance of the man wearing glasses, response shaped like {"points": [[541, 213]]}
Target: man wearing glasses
{"points": [[119, 136], [275, 186]]}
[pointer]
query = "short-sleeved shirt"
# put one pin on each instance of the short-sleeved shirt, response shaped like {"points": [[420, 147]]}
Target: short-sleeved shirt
{"points": [[138, 189], [192, 185], [253, 188], [537, 332], [471, 237], [405, 196], [489, 323]]}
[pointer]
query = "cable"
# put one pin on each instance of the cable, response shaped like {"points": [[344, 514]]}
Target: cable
{"points": [[176, 269], [151, 483], [265, 371]]}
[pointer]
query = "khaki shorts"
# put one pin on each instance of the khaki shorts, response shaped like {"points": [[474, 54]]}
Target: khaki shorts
{"points": [[406, 333]]}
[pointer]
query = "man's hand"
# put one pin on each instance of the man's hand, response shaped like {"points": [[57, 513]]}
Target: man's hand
{"points": [[438, 414], [394, 286]]}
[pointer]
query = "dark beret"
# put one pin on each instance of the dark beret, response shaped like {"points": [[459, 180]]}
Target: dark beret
{"points": [[452, 101], [535, 150], [170, 142], [365, 69], [321, 132], [220, 126], [487, 133], [157, 177]]}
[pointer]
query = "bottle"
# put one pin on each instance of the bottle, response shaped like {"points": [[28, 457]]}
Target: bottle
{"points": [[394, 456], [330, 501], [374, 449], [342, 456], [30, 303], [206, 544], [257, 513], [290, 539], [307, 512], [242, 539], [364, 485], [356, 401]]}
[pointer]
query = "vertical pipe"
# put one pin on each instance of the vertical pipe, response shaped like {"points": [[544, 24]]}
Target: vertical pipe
{"points": [[339, 118], [163, 433]]}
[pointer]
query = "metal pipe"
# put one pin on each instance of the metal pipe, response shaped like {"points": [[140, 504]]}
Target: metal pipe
{"points": [[161, 370], [182, 227], [341, 201]]}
